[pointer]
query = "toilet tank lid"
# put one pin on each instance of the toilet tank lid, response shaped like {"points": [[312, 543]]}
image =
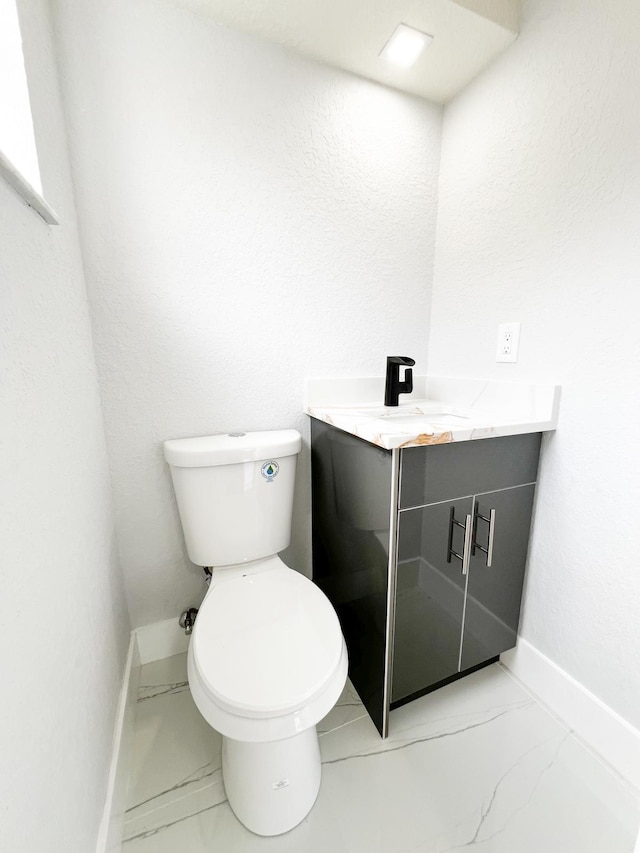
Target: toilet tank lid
{"points": [[231, 448]]}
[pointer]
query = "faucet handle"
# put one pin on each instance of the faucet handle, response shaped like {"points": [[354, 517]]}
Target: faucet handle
{"points": [[400, 359]]}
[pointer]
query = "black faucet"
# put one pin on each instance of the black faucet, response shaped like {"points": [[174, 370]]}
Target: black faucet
{"points": [[393, 387]]}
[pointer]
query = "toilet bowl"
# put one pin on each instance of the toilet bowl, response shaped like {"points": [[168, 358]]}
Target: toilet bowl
{"points": [[267, 662], [267, 659]]}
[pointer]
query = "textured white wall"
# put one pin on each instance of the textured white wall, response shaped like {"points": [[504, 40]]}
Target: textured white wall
{"points": [[63, 621], [539, 213], [249, 219]]}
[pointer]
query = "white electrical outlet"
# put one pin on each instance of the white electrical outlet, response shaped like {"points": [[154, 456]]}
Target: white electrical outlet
{"points": [[508, 340]]}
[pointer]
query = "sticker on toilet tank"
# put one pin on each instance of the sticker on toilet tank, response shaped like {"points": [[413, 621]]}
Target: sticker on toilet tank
{"points": [[282, 783], [270, 470]]}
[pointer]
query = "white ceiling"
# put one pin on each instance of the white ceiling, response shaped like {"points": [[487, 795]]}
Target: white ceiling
{"points": [[349, 34]]}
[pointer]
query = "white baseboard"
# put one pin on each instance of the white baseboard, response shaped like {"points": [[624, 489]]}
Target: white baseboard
{"points": [[111, 825], [150, 643], [605, 731], [161, 640]]}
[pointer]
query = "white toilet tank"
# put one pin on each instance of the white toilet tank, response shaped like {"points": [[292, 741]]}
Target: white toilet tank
{"points": [[234, 493]]}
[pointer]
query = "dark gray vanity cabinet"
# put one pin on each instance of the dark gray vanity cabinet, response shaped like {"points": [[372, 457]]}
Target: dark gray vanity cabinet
{"points": [[422, 552]]}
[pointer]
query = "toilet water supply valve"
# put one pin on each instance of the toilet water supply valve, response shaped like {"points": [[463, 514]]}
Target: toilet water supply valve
{"points": [[188, 618]]}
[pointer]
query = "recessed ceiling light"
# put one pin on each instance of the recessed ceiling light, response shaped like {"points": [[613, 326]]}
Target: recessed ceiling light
{"points": [[405, 46]]}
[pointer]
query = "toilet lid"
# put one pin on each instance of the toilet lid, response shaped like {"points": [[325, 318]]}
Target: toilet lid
{"points": [[265, 644]]}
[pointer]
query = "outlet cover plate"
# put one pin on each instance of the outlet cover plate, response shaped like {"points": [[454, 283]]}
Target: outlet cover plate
{"points": [[508, 341]]}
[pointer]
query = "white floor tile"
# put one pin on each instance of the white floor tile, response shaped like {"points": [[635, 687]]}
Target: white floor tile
{"points": [[176, 760], [478, 764], [347, 709], [163, 676]]}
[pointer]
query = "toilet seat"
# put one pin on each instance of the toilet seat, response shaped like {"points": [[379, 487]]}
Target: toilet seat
{"points": [[267, 658]]}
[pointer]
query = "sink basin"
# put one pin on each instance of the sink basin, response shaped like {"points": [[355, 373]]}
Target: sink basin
{"points": [[414, 416]]}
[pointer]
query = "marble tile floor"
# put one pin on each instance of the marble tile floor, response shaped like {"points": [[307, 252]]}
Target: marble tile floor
{"points": [[478, 765]]}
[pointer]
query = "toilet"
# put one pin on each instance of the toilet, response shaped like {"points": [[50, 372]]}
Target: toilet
{"points": [[267, 659]]}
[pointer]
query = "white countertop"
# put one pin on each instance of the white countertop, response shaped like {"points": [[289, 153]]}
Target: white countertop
{"points": [[440, 409]]}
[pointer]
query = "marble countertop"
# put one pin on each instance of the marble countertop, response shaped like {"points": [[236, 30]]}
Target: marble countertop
{"points": [[440, 409]]}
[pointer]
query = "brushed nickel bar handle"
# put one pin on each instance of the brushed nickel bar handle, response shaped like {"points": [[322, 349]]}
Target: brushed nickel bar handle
{"points": [[491, 521], [492, 530], [476, 515], [467, 544], [450, 550], [453, 521]]}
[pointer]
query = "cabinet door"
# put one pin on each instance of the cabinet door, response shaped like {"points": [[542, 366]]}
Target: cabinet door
{"points": [[429, 596], [494, 591]]}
